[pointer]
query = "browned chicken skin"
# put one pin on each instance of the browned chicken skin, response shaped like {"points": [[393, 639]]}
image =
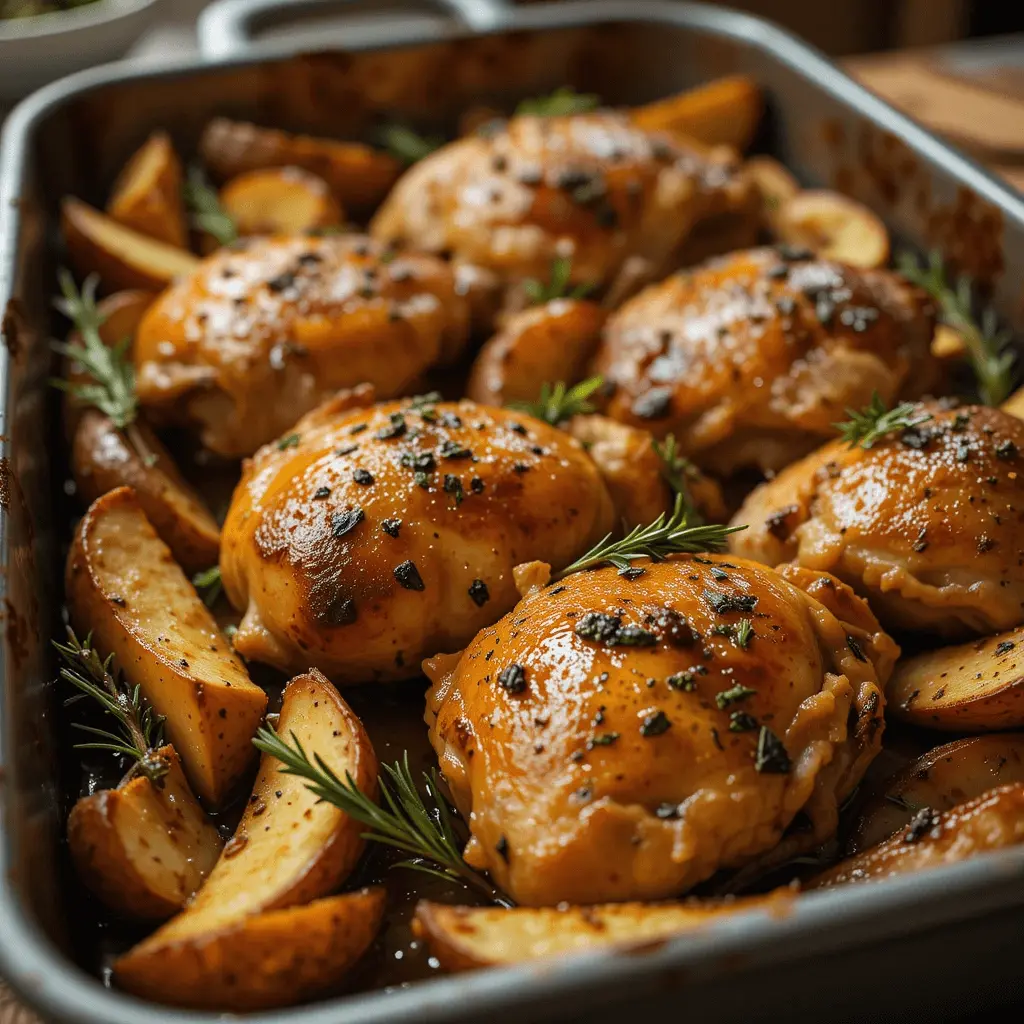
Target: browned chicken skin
{"points": [[264, 331], [380, 536], [751, 358], [602, 738], [593, 187], [928, 524]]}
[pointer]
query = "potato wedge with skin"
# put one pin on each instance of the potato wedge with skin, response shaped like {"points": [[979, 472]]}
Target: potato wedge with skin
{"points": [[281, 200], [144, 848], [465, 938], [835, 227], [124, 587], [288, 848], [973, 687], [725, 112], [104, 458], [268, 960], [1014, 405], [147, 194], [122, 257], [941, 779], [991, 821], [358, 175]]}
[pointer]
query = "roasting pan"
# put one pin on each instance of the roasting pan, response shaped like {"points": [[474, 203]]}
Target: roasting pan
{"points": [[919, 947]]}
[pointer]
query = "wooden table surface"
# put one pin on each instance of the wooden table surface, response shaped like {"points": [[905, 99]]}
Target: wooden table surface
{"points": [[983, 113]]}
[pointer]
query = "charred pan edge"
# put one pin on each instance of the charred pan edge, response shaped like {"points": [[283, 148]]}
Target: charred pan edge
{"points": [[982, 897]]}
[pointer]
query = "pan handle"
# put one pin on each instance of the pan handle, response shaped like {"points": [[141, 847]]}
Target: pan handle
{"points": [[231, 27]]}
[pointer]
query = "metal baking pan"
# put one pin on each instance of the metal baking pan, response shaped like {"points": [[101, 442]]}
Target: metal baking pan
{"points": [[918, 947]]}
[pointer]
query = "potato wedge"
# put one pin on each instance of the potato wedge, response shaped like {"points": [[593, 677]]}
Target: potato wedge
{"points": [[144, 848], [281, 200], [973, 687], [724, 112], [103, 458], [260, 962], [991, 821], [465, 938], [1014, 405], [121, 256], [835, 227], [940, 779], [125, 588], [774, 185], [288, 848], [147, 194], [358, 175]]}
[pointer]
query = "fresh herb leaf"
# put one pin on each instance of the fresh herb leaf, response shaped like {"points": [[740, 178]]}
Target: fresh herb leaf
{"points": [[209, 585], [557, 286], [405, 144], [558, 403], [205, 208], [676, 470], [744, 633], [875, 421], [988, 348], [562, 101]]}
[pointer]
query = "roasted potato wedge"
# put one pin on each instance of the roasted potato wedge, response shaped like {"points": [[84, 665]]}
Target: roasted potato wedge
{"points": [[147, 195], [103, 458], [1014, 405], [833, 226], [259, 962], [464, 938], [358, 175], [288, 848], [725, 112], [941, 779], [972, 687], [551, 342], [774, 185], [281, 200], [144, 848], [991, 821], [121, 256], [124, 587]]}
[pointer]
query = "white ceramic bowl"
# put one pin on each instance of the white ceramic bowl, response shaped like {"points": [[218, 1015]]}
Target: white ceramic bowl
{"points": [[41, 49]]}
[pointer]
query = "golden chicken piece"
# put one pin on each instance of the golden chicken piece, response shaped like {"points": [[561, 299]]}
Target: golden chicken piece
{"points": [[751, 358], [622, 737], [372, 538], [927, 524], [265, 330], [593, 187]]}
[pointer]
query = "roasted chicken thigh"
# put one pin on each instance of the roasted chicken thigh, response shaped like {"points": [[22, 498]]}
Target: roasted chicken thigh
{"points": [[620, 737]]}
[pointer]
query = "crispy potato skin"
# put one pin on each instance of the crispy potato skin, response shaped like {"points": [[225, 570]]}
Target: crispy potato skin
{"points": [[147, 195], [592, 186], [563, 782], [282, 200], [927, 528], [991, 821], [124, 587], [307, 557], [735, 359], [144, 849], [268, 960], [261, 334], [103, 458]]}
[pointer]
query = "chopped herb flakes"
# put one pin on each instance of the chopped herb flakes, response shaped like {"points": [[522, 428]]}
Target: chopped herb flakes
{"points": [[604, 739], [453, 450], [654, 724], [396, 428], [740, 721], [724, 603], [391, 526], [512, 679], [733, 695], [685, 681], [1006, 450], [291, 441], [1004, 647], [609, 631], [363, 477], [422, 462], [453, 486], [345, 522], [744, 633], [771, 757], [321, 492], [408, 576], [479, 593]]}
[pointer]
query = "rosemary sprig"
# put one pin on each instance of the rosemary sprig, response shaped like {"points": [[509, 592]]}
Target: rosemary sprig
{"points": [[557, 402], [140, 729], [667, 535], [875, 421], [988, 347], [205, 208], [557, 286], [564, 100], [209, 584], [403, 820], [676, 471], [744, 632], [405, 144]]}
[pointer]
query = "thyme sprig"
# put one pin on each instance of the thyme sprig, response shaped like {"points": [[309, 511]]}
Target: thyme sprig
{"points": [[564, 100], [405, 144], [988, 347], [404, 819], [209, 584], [557, 286], [667, 535], [875, 421], [139, 729], [558, 402], [204, 206], [677, 471]]}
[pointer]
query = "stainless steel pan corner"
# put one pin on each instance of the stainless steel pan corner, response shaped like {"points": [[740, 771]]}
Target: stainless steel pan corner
{"points": [[860, 951]]}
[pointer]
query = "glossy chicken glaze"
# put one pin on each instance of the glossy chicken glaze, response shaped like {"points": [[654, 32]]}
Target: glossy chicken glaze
{"points": [[593, 187], [750, 359], [266, 329], [928, 523], [372, 538], [626, 768]]}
